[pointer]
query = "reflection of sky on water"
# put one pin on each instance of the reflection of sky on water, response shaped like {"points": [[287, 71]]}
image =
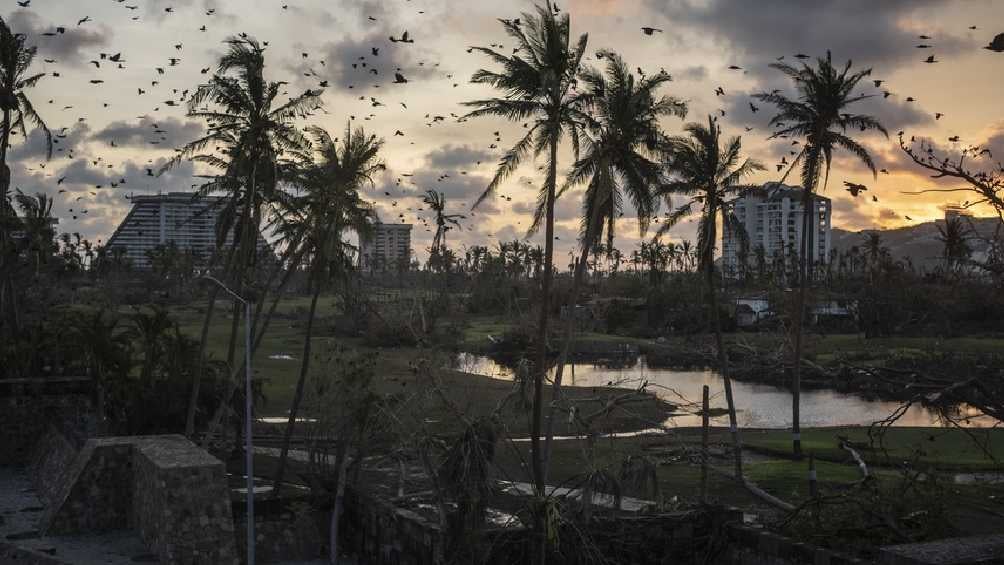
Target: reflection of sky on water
{"points": [[758, 405]]}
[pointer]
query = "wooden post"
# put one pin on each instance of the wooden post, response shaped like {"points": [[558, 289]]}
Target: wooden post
{"points": [[704, 444]]}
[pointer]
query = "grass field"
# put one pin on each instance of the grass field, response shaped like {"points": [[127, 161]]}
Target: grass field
{"points": [[940, 448]]}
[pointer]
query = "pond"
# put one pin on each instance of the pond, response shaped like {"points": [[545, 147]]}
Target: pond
{"points": [[757, 405]]}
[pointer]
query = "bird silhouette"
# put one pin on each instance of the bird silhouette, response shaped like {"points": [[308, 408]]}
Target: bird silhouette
{"points": [[930, 59], [855, 188], [650, 30], [997, 45], [405, 38]]}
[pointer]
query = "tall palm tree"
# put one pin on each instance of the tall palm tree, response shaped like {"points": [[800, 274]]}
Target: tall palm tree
{"points": [[249, 131], [709, 173], [315, 222], [622, 143], [538, 81], [819, 114], [18, 112], [444, 222]]}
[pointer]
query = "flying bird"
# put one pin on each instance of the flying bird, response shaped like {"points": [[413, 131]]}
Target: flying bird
{"points": [[930, 59], [997, 44], [855, 188], [405, 38], [650, 30]]}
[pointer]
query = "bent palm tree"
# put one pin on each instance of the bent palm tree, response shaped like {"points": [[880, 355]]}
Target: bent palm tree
{"points": [[819, 115], [618, 161], [538, 80], [709, 174], [313, 225]]}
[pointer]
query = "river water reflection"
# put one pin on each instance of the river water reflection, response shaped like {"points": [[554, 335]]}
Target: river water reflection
{"points": [[757, 405]]}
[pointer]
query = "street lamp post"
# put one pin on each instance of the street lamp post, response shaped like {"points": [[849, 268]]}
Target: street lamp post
{"points": [[248, 414]]}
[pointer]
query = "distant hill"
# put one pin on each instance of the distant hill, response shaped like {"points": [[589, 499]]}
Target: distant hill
{"points": [[918, 242]]}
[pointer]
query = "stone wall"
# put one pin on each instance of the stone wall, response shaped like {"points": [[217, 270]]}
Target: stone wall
{"points": [[29, 406], [172, 493], [181, 504], [51, 463], [287, 529], [94, 495]]}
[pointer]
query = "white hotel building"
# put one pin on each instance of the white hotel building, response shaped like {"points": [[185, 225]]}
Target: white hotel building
{"points": [[181, 218], [772, 217]]}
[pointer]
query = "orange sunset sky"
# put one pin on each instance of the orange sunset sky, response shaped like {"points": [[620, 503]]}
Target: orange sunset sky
{"points": [[318, 40]]}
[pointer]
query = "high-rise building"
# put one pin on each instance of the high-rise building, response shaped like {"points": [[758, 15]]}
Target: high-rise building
{"points": [[772, 217], [181, 218], [387, 248]]}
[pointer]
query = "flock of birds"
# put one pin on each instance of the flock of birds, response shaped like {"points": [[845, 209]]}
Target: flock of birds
{"points": [[366, 72]]}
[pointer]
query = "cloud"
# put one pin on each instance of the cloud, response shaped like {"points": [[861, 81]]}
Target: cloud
{"points": [[75, 45], [847, 214], [149, 133], [457, 157], [887, 214], [63, 141], [339, 58], [868, 32], [697, 72]]}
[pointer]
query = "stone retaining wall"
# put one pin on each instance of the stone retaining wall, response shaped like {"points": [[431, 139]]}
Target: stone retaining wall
{"points": [[180, 502], [172, 493]]}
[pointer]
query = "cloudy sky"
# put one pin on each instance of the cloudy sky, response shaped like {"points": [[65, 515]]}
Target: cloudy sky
{"points": [[111, 133]]}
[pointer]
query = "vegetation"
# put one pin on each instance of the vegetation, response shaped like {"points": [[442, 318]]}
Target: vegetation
{"points": [[374, 380]]}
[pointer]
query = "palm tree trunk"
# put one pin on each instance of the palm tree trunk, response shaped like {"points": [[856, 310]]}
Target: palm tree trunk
{"points": [[193, 398], [214, 423], [803, 285], [540, 371], [336, 512], [563, 356], [723, 367], [298, 394]]}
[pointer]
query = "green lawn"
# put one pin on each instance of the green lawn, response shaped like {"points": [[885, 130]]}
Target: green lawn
{"points": [[944, 449]]}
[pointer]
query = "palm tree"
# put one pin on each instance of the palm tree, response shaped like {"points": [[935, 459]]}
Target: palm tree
{"points": [[37, 221], [107, 354], [444, 222], [18, 111], [709, 174], [538, 81], [623, 139], [249, 133], [955, 238], [818, 114], [314, 225]]}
